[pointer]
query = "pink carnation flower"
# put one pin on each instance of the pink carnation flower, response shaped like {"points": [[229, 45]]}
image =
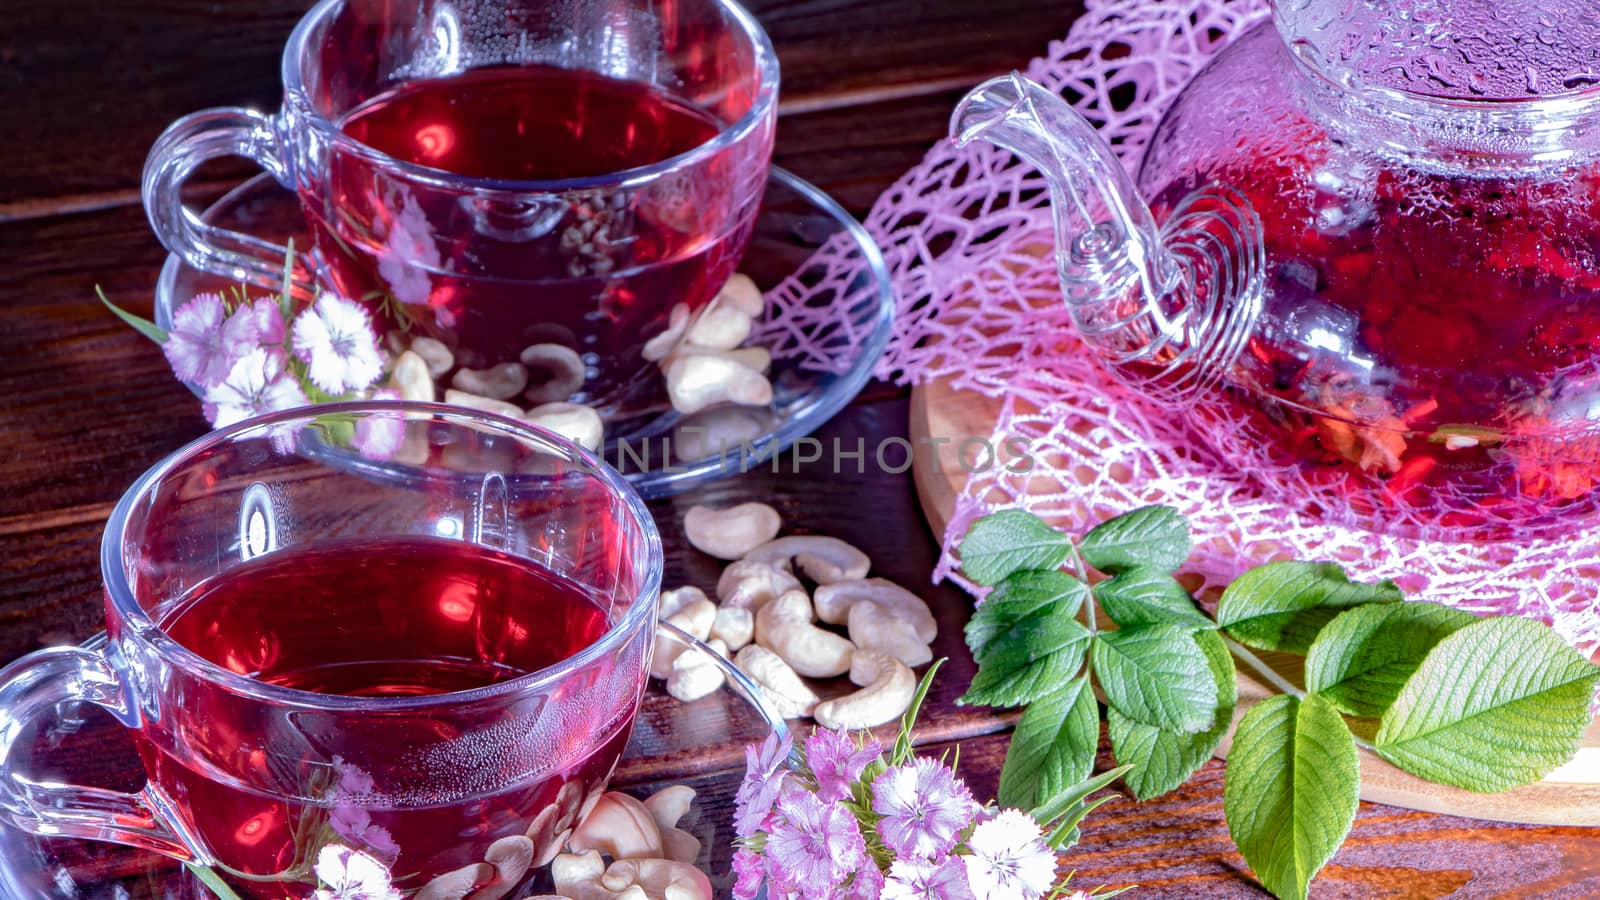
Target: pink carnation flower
{"points": [[349, 875], [837, 762], [763, 780], [916, 879], [379, 434], [257, 384], [334, 338], [1009, 859], [813, 845], [924, 808], [748, 873], [202, 346]]}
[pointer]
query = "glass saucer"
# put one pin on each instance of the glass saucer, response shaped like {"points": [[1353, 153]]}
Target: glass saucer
{"points": [[43, 868], [830, 311]]}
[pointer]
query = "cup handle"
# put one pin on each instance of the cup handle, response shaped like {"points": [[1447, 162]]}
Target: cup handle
{"points": [[198, 138], [35, 685]]}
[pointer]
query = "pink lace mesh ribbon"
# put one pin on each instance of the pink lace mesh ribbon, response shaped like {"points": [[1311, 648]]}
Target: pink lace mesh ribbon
{"points": [[963, 234]]}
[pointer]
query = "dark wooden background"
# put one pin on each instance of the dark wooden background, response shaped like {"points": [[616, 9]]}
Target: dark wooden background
{"points": [[85, 404]]}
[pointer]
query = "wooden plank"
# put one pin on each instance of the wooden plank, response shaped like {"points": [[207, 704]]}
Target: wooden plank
{"points": [[144, 63]]}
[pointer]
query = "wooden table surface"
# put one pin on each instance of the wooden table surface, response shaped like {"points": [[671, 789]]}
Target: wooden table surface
{"points": [[85, 404]]}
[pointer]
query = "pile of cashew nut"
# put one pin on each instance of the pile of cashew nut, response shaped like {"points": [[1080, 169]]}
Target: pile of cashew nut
{"points": [[651, 857], [765, 617], [546, 377], [702, 356]]}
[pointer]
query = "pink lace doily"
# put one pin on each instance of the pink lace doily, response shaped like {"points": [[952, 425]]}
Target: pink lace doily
{"points": [[968, 225]]}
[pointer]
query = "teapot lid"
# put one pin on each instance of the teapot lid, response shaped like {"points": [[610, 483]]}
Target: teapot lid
{"points": [[1463, 50]]}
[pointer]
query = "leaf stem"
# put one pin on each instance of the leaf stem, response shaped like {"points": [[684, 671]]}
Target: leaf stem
{"points": [[1262, 669], [1082, 573]]}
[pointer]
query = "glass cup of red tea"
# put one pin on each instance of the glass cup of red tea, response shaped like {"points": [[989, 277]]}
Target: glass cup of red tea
{"points": [[313, 649], [504, 173]]}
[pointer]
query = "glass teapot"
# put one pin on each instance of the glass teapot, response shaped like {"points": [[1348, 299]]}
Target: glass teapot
{"points": [[1379, 225]]}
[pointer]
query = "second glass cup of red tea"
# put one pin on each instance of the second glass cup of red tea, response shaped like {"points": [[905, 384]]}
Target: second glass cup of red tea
{"points": [[319, 652], [508, 173]]}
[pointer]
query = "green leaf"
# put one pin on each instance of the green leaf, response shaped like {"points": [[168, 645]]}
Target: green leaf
{"points": [[1362, 658], [1163, 760], [1146, 596], [1061, 814], [908, 719], [1291, 790], [1282, 605], [1018, 600], [1158, 675], [140, 324], [1029, 663], [1153, 536], [1499, 703], [1010, 541], [1053, 747]]}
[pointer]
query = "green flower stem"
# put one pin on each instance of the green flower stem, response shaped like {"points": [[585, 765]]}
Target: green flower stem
{"points": [[213, 881], [1082, 572]]}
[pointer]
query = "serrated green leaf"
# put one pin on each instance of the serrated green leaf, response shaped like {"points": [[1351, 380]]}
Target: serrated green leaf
{"points": [[1030, 662], [1291, 790], [140, 324], [1156, 537], [1500, 702], [1145, 596], [1158, 675], [1360, 660], [1010, 541], [1161, 759], [1053, 747], [1021, 597], [1282, 605]]}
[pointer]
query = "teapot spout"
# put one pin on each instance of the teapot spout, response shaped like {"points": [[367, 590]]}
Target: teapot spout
{"points": [[1131, 297]]}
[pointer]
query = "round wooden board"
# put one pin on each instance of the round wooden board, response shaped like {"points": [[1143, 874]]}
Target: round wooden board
{"points": [[1569, 796]]}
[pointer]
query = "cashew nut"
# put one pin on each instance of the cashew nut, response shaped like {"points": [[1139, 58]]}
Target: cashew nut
{"points": [[578, 877], [825, 559], [784, 627], [887, 688], [689, 609], [433, 352], [620, 827], [730, 533], [876, 627], [487, 404], [752, 584], [758, 358], [658, 347], [410, 377], [714, 432], [573, 421], [669, 806], [835, 600], [511, 857], [660, 878], [782, 685], [719, 326], [734, 626], [556, 372], [697, 381], [742, 294], [500, 382], [695, 675], [458, 884]]}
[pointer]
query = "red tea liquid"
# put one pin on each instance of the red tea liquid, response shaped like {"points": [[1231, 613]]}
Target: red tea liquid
{"points": [[595, 270], [393, 618], [1461, 319]]}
